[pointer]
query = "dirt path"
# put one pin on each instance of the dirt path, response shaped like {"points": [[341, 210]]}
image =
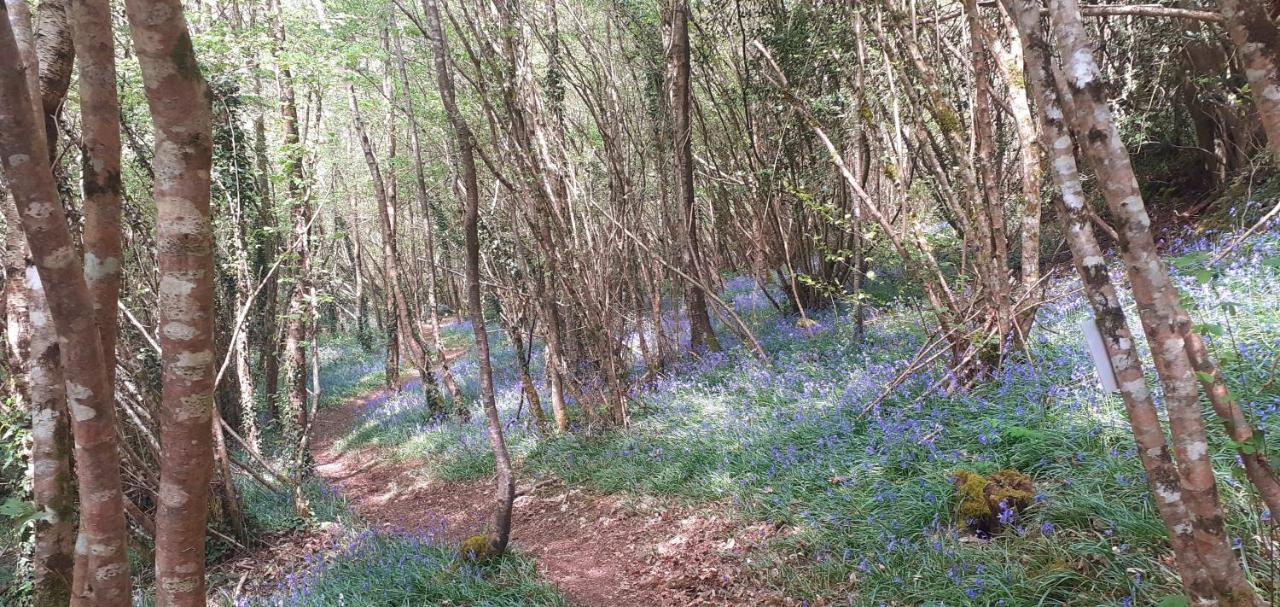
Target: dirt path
{"points": [[599, 551]]}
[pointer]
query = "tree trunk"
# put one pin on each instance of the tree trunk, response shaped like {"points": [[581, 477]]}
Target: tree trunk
{"points": [[506, 488], [178, 98], [298, 327], [701, 334], [1144, 421], [1257, 39], [1156, 298], [446, 375], [24, 149]]}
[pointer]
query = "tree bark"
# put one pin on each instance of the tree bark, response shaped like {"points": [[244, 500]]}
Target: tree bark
{"points": [[701, 334], [506, 488], [1144, 421], [1257, 39], [25, 155], [179, 101], [446, 375], [1156, 298]]}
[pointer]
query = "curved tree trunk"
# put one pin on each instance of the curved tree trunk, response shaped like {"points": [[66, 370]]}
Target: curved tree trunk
{"points": [[61, 271], [506, 493]]}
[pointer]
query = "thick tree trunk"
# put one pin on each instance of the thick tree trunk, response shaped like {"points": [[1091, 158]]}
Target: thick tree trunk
{"points": [[179, 101], [24, 150], [506, 487]]}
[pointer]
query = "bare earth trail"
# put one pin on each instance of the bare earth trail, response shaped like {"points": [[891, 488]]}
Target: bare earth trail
{"points": [[598, 551]]}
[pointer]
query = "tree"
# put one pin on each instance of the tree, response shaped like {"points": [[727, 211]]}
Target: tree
{"points": [[179, 102], [61, 272], [701, 334], [461, 132]]}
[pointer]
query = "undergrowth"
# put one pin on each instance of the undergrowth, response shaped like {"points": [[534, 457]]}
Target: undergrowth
{"points": [[863, 485], [402, 569]]}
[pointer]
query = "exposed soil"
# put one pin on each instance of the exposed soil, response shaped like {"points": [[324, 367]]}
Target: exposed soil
{"points": [[599, 551]]}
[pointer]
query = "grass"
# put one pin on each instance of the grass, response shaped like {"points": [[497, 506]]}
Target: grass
{"points": [[408, 569], [866, 492]]}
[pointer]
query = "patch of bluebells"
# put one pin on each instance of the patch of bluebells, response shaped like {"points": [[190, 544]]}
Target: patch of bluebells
{"points": [[816, 441], [400, 567]]}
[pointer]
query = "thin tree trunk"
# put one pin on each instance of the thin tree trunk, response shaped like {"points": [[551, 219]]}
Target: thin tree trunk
{"points": [[1155, 296], [1144, 421], [298, 327], [446, 375], [35, 343], [506, 488], [701, 334]]}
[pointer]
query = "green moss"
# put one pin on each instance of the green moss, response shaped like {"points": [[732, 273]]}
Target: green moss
{"points": [[979, 498], [476, 548], [947, 119], [971, 496]]}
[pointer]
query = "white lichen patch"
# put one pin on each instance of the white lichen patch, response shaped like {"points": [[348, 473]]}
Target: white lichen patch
{"points": [[1168, 495], [43, 423], [102, 550], [18, 160], [173, 496], [96, 269], [107, 572], [1136, 389], [39, 209], [196, 407], [60, 258], [179, 331], [82, 413], [1197, 450], [193, 366], [179, 584], [76, 395], [172, 285], [1081, 68], [1172, 346]]}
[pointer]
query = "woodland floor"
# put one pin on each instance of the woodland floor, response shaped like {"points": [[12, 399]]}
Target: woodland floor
{"points": [[599, 551]]}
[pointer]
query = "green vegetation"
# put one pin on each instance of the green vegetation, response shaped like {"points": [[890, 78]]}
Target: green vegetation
{"points": [[867, 490]]}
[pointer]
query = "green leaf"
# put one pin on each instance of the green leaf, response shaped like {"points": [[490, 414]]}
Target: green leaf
{"points": [[1204, 377], [1213, 329], [1272, 262], [1173, 600], [20, 511]]}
